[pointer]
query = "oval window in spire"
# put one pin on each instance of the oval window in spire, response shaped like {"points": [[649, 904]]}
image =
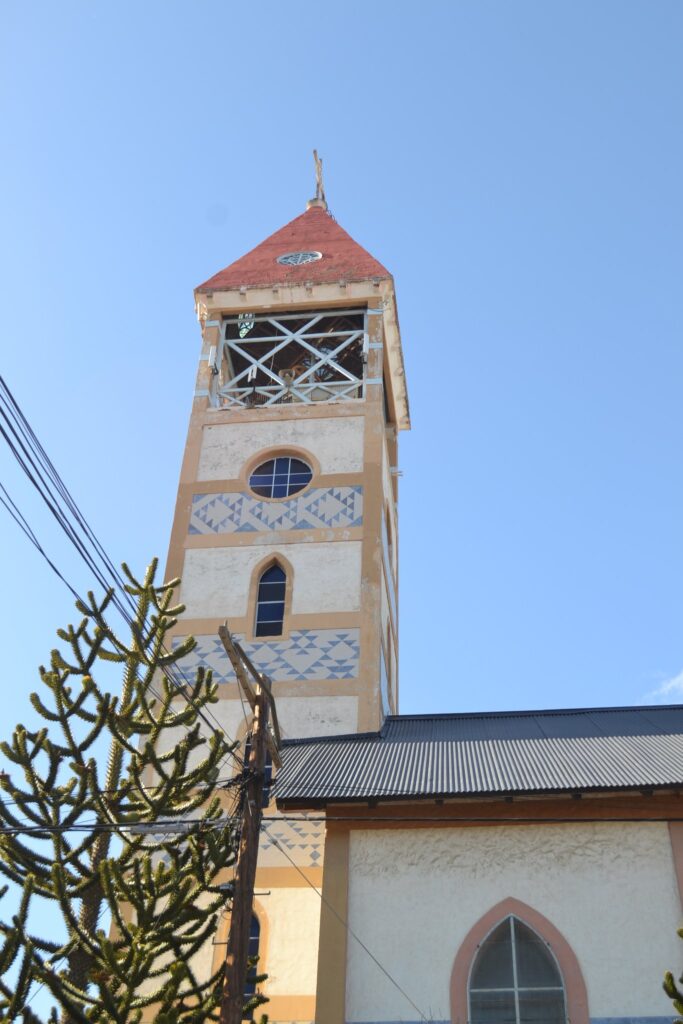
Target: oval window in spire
{"points": [[297, 259]]}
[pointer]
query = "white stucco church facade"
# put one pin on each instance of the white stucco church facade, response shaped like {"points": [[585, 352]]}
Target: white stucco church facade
{"points": [[493, 869]]}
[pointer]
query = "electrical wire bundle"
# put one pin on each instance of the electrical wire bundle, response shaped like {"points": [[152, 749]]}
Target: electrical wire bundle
{"points": [[44, 477]]}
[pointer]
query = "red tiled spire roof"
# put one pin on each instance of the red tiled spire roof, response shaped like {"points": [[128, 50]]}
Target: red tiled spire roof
{"points": [[312, 231]]}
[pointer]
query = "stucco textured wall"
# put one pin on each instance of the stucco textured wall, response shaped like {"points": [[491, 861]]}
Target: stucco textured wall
{"points": [[298, 716], [337, 443], [326, 578], [291, 958], [608, 887], [317, 716]]}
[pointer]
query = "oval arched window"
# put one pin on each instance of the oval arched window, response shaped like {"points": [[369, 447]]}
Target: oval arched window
{"points": [[280, 477], [515, 979]]}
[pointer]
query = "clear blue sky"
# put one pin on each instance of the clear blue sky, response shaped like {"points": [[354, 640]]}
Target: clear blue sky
{"points": [[518, 167]]}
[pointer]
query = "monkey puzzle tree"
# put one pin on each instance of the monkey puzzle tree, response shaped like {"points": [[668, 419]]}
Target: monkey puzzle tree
{"points": [[673, 991], [144, 842], [13, 997]]}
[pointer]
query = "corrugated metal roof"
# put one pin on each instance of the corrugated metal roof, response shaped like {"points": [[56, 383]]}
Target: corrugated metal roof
{"points": [[488, 754]]}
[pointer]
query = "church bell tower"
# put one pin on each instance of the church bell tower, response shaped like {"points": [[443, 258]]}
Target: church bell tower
{"points": [[286, 517]]}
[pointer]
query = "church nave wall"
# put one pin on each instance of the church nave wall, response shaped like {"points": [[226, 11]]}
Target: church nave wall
{"points": [[609, 888]]}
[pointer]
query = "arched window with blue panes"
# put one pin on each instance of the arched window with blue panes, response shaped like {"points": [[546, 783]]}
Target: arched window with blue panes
{"points": [[270, 601]]}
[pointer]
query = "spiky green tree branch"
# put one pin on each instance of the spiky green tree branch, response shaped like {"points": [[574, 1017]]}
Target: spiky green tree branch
{"points": [[673, 991], [147, 842]]}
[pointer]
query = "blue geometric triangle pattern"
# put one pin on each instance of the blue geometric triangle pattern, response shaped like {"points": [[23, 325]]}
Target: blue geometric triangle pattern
{"points": [[319, 508], [306, 654], [304, 844]]}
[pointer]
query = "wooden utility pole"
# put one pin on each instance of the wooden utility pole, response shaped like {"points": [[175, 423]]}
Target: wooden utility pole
{"points": [[259, 695]]}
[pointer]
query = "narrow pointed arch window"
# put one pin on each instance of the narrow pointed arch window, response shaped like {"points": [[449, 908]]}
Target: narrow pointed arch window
{"points": [[515, 979], [270, 601], [253, 972], [390, 541]]}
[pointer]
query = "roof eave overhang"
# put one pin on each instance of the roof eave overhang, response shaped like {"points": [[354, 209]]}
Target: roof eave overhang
{"points": [[367, 801]]}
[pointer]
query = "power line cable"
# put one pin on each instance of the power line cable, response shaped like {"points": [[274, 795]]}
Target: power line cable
{"points": [[28, 827], [26, 529], [165, 825], [30, 461], [233, 781], [31, 468], [61, 486], [149, 790], [103, 909]]}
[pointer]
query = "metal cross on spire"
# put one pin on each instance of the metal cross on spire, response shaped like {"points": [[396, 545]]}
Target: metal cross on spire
{"points": [[319, 187]]}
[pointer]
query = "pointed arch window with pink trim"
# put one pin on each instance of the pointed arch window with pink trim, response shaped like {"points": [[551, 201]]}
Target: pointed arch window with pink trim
{"points": [[515, 979]]}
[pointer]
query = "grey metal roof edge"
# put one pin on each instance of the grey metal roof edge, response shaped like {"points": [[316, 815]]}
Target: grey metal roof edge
{"points": [[530, 713], [471, 715], [488, 795], [334, 737]]}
